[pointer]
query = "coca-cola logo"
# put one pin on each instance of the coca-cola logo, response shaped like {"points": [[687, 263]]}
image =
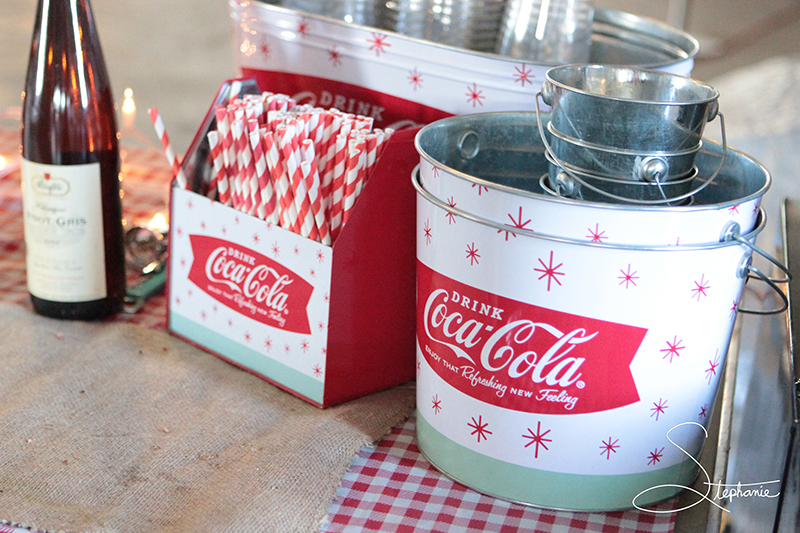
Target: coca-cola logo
{"points": [[521, 356], [250, 283]]}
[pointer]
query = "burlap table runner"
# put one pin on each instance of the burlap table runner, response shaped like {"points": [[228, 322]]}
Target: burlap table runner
{"points": [[116, 428]]}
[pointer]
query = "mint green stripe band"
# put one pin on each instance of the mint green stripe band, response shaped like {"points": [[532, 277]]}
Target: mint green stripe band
{"points": [[261, 364], [548, 489]]}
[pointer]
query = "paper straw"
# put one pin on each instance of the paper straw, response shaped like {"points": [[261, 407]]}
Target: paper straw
{"points": [[311, 177], [356, 157], [337, 186], [228, 150], [287, 214], [219, 181], [291, 158], [161, 132], [265, 197]]}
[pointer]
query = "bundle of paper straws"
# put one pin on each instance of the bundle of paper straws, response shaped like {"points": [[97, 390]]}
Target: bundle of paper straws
{"points": [[293, 165]]}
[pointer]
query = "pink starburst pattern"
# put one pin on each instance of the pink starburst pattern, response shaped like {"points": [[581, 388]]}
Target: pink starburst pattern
{"points": [[700, 287], [733, 210], [608, 447], [321, 326], [415, 78], [537, 438], [296, 250], [326, 298], [703, 412], [320, 256], [203, 315], [427, 229], [312, 273], [179, 231], [268, 344], [178, 300], [183, 261], [203, 224], [517, 223], [596, 235], [303, 26], [673, 349], [230, 323], [378, 43], [711, 371], [256, 238], [472, 254], [275, 249], [287, 349], [658, 408], [550, 272], [224, 230], [655, 456], [334, 56], [474, 96], [304, 345], [247, 336], [317, 371], [437, 404], [628, 277], [523, 75], [190, 204], [264, 49], [480, 428], [480, 188], [734, 308], [451, 217]]}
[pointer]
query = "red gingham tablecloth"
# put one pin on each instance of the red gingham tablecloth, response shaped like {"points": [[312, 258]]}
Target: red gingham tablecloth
{"points": [[390, 487]]}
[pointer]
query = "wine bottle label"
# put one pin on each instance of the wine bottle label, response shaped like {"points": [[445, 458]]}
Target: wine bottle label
{"points": [[63, 219]]}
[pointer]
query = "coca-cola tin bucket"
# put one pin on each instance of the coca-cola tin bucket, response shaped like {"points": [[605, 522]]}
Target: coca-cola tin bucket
{"points": [[563, 373], [493, 164], [400, 80]]}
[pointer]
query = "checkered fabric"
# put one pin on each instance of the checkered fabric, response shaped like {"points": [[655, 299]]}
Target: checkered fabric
{"points": [[390, 487]]}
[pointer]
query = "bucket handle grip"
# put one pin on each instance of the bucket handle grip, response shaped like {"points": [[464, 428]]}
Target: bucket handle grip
{"points": [[732, 232], [572, 176]]}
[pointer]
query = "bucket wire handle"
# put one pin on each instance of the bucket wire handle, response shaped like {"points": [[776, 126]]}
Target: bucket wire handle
{"points": [[558, 162], [732, 232]]}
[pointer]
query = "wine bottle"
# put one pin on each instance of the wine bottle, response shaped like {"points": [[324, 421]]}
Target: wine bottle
{"points": [[70, 169]]}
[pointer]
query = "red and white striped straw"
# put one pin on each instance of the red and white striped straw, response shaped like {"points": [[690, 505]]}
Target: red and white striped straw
{"points": [[337, 186], [291, 158], [228, 150], [219, 180], [287, 212], [161, 132], [356, 158], [265, 209], [311, 177]]}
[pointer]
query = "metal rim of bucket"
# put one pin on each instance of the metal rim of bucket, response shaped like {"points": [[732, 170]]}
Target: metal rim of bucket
{"points": [[762, 220], [730, 236], [661, 207]]}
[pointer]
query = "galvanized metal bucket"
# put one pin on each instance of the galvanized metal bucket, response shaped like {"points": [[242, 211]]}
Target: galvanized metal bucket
{"points": [[629, 108]]}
